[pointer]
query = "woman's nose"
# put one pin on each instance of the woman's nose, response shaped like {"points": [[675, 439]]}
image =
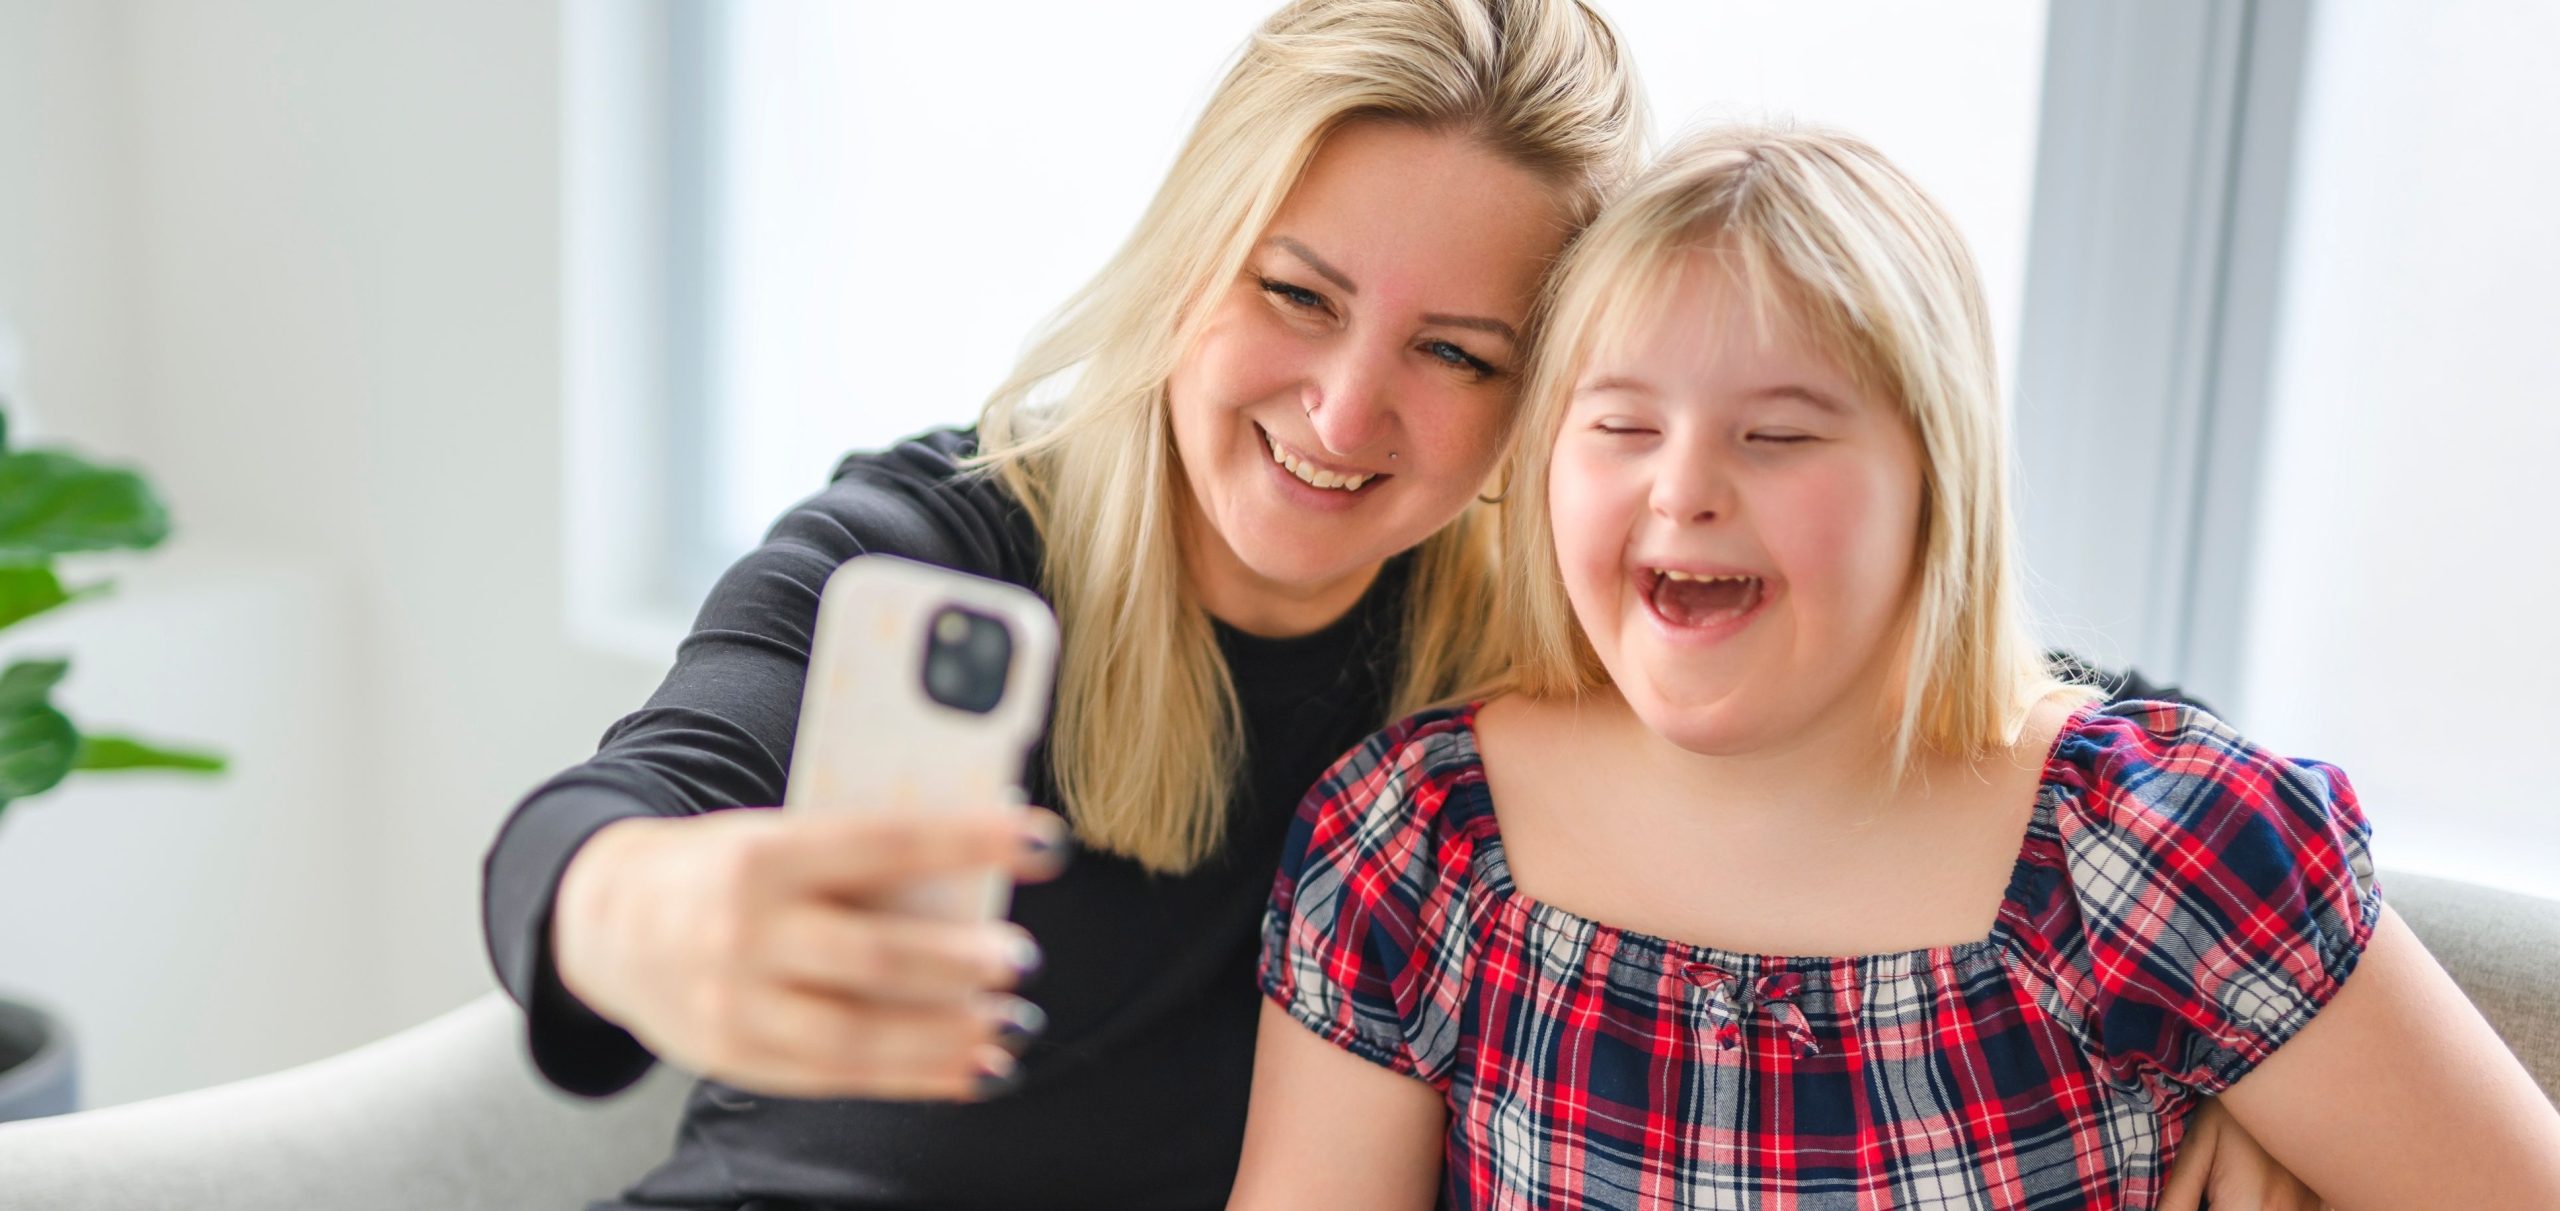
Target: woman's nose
{"points": [[1348, 404]]}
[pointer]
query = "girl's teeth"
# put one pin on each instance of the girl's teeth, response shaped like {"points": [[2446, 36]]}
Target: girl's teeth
{"points": [[1668, 574], [1316, 477], [1689, 599]]}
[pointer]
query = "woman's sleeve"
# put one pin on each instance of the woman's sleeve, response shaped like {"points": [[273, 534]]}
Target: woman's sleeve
{"points": [[2224, 893], [1367, 938], [718, 732]]}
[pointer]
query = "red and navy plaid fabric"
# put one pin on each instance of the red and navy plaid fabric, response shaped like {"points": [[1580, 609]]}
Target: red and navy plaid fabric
{"points": [[2182, 904]]}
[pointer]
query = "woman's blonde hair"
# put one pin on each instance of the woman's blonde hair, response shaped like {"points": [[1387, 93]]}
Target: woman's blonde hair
{"points": [[1146, 741], [1821, 227]]}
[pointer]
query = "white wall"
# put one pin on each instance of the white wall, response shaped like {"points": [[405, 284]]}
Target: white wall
{"points": [[335, 228], [198, 931], [2403, 619], [65, 191]]}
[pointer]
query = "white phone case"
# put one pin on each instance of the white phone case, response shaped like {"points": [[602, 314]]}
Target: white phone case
{"points": [[872, 738]]}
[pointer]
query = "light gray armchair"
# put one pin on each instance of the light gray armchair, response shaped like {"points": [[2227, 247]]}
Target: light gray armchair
{"points": [[449, 1116]]}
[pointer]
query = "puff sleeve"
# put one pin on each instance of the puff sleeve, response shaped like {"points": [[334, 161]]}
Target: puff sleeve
{"points": [[1370, 930], [2223, 893]]}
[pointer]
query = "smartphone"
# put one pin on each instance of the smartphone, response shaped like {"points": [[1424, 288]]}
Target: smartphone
{"points": [[927, 690]]}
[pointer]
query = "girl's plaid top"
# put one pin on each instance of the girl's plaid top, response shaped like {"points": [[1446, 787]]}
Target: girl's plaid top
{"points": [[2182, 904]]}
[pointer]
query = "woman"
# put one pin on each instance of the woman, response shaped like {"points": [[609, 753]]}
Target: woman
{"points": [[1251, 508]]}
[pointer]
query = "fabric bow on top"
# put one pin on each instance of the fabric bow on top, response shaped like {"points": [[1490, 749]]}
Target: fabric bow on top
{"points": [[1731, 1001]]}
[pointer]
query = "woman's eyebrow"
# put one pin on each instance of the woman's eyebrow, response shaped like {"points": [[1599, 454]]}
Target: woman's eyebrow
{"points": [[1315, 262], [1335, 276], [1478, 322]]}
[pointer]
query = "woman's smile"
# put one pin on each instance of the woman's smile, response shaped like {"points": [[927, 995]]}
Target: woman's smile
{"points": [[1315, 472]]}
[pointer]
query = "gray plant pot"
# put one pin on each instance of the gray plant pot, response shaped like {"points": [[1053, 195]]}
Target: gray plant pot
{"points": [[39, 1070]]}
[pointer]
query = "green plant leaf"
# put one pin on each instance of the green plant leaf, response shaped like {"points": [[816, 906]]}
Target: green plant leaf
{"points": [[27, 592], [124, 752], [52, 503], [27, 682], [37, 744]]}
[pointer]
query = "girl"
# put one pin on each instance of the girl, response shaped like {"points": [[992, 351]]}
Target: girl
{"points": [[1613, 937]]}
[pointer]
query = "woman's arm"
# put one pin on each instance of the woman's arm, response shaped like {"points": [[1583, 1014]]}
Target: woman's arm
{"points": [[1329, 1129], [2399, 1095]]}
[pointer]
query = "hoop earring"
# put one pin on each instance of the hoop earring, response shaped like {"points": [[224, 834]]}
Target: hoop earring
{"points": [[1500, 494]]}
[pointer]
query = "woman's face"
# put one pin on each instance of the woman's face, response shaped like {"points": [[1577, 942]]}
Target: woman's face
{"points": [[1350, 389]]}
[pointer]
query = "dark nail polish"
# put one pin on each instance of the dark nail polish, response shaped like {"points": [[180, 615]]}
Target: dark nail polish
{"points": [[1049, 841], [1023, 955], [1017, 1023], [998, 1084], [994, 1086]]}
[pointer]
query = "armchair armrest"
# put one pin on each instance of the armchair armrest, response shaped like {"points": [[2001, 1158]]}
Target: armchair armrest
{"points": [[446, 1115]]}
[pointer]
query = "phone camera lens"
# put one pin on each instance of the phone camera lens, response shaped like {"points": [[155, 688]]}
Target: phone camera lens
{"points": [[967, 658]]}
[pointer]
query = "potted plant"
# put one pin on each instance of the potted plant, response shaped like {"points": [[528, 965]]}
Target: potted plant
{"points": [[55, 503]]}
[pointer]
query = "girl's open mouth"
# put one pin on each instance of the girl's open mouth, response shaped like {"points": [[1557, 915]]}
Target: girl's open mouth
{"points": [[1699, 601]]}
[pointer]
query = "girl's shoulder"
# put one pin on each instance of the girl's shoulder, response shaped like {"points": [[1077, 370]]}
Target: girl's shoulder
{"points": [[1370, 933], [2201, 897], [1432, 747], [1395, 792], [2169, 769]]}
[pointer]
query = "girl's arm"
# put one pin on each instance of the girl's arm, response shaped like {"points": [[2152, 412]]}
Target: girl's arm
{"points": [[2399, 1095], [1327, 1128]]}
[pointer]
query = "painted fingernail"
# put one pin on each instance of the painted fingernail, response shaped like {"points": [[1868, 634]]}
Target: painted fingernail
{"points": [[1046, 838], [1018, 1022], [998, 1075], [1022, 956]]}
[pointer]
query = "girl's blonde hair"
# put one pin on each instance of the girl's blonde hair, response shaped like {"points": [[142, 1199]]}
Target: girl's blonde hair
{"points": [[1145, 742], [1822, 227]]}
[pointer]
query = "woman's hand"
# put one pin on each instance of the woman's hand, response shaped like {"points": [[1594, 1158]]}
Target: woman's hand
{"points": [[2221, 1166], [749, 947]]}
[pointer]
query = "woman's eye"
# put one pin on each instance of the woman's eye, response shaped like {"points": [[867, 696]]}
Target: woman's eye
{"points": [[1618, 427], [1459, 359], [1296, 296], [1779, 439]]}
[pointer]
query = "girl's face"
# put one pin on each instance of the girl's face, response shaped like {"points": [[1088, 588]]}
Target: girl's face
{"points": [[1737, 523], [1352, 386]]}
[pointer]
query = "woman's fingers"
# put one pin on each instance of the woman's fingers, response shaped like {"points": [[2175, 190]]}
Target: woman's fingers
{"points": [[2222, 1167], [749, 946], [797, 1043], [897, 959], [857, 854], [2185, 1191]]}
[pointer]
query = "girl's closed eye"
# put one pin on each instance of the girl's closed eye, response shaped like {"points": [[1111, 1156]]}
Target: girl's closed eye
{"points": [[1780, 437], [1620, 426]]}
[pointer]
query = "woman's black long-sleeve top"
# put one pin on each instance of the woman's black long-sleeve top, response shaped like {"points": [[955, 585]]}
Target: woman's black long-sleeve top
{"points": [[1135, 1096]]}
